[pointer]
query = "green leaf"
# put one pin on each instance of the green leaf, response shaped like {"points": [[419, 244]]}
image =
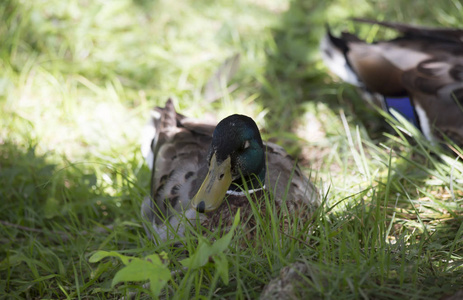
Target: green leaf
{"points": [[52, 208], [47, 277], [99, 255], [222, 244], [150, 268], [204, 251], [200, 257], [155, 259], [141, 270], [221, 266]]}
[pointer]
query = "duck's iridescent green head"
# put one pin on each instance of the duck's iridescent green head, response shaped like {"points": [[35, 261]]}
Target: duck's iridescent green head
{"points": [[236, 152]]}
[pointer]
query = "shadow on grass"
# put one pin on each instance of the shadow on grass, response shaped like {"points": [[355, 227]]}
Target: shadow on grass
{"points": [[34, 188], [52, 218], [36, 192], [23, 176]]}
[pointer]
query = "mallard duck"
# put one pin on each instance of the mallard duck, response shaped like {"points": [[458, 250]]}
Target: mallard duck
{"points": [[419, 74], [203, 172]]}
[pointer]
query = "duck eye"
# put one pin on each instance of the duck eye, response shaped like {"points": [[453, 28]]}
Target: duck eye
{"points": [[246, 145]]}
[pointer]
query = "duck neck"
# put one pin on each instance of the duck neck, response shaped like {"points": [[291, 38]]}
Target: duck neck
{"points": [[252, 183]]}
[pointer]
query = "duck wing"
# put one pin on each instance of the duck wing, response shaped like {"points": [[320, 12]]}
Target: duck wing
{"points": [[424, 65], [179, 151], [286, 180]]}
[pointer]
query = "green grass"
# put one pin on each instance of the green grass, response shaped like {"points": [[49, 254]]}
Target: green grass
{"points": [[77, 80]]}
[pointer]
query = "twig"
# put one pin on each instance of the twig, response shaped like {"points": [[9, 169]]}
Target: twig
{"points": [[6, 223], [64, 235], [455, 150]]}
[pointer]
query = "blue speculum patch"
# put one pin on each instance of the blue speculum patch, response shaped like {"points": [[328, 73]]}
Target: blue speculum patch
{"points": [[404, 106]]}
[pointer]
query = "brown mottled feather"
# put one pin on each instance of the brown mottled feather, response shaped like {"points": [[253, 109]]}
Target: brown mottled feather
{"points": [[179, 167]]}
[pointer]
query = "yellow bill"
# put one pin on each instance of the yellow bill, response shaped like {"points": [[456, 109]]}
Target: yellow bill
{"points": [[214, 187]]}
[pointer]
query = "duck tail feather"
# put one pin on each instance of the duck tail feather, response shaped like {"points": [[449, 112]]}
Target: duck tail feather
{"points": [[441, 34]]}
